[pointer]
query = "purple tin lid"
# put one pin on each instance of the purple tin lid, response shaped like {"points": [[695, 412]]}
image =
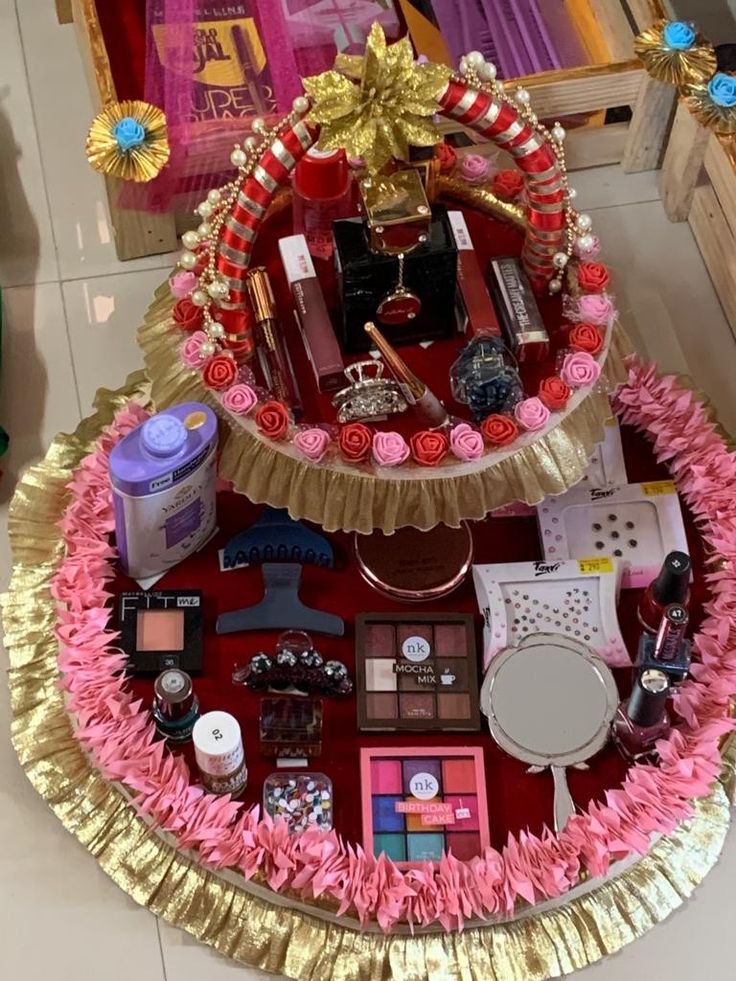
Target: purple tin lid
{"points": [[163, 450]]}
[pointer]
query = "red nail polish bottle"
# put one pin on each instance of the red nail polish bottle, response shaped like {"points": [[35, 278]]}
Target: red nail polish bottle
{"points": [[322, 194], [642, 719], [672, 585]]}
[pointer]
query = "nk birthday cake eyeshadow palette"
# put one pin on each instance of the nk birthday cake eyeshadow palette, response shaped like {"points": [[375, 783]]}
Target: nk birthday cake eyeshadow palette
{"points": [[417, 672], [419, 803]]}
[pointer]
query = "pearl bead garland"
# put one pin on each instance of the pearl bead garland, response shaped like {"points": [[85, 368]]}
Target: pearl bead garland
{"points": [[187, 260], [190, 240]]}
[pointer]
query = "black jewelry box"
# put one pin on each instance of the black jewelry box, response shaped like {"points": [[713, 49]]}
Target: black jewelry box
{"points": [[366, 278]]}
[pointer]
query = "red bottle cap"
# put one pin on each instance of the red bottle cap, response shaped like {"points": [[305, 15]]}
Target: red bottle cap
{"points": [[322, 173]]}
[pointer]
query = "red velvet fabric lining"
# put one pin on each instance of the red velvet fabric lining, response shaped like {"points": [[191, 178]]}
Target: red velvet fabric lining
{"points": [[516, 799], [123, 24]]}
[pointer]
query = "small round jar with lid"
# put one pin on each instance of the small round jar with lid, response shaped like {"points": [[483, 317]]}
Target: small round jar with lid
{"points": [[218, 747]]}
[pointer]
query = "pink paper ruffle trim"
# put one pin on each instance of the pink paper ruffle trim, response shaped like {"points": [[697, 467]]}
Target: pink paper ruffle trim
{"points": [[117, 729]]}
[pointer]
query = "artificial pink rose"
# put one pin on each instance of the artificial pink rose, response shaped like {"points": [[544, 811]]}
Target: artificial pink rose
{"points": [[596, 308], [465, 442], [191, 350], [531, 413], [475, 169], [312, 443], [239, 399], [579, 368], [182, 283], [593, 249], [390, 449]]}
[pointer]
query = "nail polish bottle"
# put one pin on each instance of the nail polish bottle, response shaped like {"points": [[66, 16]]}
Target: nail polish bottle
{"points": [[672, 585], [322, 194], [642, 719], [669, 651], [175, 706]]}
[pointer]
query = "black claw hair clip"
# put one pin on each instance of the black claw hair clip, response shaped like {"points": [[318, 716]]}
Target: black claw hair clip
{"points": [[295, 667]]}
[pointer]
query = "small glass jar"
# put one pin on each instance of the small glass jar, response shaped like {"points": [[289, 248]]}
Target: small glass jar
{"points": [[485, 377]]}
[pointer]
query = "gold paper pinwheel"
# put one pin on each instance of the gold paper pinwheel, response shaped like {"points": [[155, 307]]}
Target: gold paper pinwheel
{"points": [[673, 51], [713, 103], [128, 140], [387, 110]]}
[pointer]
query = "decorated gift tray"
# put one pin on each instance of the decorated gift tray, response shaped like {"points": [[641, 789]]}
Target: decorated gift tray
{"points": [[436, 463], [153, 827]]}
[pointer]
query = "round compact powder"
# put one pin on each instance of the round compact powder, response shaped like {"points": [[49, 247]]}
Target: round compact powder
{"points": [[415, 565]]}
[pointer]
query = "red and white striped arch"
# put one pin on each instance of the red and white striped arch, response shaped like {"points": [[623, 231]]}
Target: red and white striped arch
{"points": [[487, 114]]}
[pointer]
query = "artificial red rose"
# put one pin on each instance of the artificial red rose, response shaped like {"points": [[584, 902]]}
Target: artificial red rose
{"points": [[593, 277], [446, 156], [429, 448], [187, 316], [355, 441], [219, 372], [499, 430], [586, 337], [508, 184], [554, 393], [272, 419]]}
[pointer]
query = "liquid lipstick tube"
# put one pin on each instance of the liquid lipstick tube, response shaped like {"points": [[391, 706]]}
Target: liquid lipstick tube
{"points": [[642, 719], [417, 394], [672, 585], [669, 651], [273, 357], [476, 314]]}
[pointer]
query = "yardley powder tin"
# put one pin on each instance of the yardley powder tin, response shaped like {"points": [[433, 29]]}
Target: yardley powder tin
{"points": [[218, 747], [163, 481]]}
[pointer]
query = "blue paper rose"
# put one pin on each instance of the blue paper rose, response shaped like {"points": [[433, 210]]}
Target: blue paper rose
{"points": [[129, 133], [722, 90], [679, 35]]}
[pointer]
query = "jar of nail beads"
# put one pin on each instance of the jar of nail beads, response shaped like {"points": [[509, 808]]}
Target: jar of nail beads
{"points": [[303, 799]]}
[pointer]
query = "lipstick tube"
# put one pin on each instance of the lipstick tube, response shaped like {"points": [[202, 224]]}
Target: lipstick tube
{"points": [[415, 391], [669, 651], [273, 356], [311, 314], [475, 309], [671, 633], [672, 585]]}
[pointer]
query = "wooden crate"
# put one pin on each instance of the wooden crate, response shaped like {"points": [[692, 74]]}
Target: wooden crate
{"points": [[698, 183], [610, 28]]}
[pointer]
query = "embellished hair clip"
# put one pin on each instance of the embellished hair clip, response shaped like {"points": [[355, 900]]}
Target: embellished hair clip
{"points": [[296, 667]]}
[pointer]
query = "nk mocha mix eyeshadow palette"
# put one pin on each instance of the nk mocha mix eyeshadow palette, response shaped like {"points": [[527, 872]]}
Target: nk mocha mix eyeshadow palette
{"points": [[417, 672], [419, 803]]}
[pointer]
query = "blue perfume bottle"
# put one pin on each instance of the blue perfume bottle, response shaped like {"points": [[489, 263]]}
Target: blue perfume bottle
{"points": [[485, 377]]}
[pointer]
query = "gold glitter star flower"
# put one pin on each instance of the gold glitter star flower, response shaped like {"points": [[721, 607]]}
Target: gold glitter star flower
{"points": [[128, 140], [388, 110], [673, 51]]}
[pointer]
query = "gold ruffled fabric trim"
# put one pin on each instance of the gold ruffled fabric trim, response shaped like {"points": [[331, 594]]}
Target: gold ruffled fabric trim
{"points": [[339, 497], [240, 920]]}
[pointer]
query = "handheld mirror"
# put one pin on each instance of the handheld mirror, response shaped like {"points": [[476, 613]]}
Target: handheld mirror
{"points": [[550, 702]]}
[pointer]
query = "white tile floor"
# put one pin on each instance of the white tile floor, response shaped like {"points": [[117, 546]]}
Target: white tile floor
{"points": [[70, 316]]}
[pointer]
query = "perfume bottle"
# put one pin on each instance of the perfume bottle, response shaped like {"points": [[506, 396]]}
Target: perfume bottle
{"points": [[668, 651], [322, 194], [397, 266], [642, 719], [416, 393], [672, 585], [485, 377]]}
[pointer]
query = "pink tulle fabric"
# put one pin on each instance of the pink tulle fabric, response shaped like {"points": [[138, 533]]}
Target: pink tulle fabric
{"points": [[116, 729]]}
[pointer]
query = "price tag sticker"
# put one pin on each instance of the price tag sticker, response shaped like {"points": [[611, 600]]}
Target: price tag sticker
{"points": [[657, 487], [592, 567]]}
